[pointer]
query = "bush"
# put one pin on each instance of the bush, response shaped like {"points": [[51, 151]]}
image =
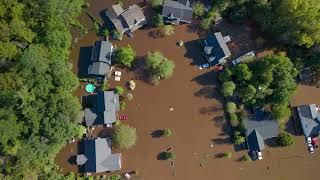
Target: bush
{"points": [[246, 158], [167, 30], [234, 121], [157, 20], [156, 3], [238, 138], [166, 132], [227, 155], [105, 86], [119, 90], [96, 27], [116, 35], [231, 107], [170, 156], [125, 56], [125, 136], [129, 96], [285, 139], [154, 80], [225, 75], [114, 177], [228, 88], [242, 125], [198, 9], [105, 32], [123, 106]]}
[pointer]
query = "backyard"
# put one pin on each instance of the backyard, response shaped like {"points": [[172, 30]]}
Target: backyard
{"points": [[190, 105]]}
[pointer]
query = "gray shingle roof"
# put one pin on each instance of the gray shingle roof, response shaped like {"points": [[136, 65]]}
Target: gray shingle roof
{"points": [[124, 20], [99, 69], [218, 47], [255, 141], [310, 119], [99, 157], [260, 126], [176, 11], [105, 111], [102, 52]]}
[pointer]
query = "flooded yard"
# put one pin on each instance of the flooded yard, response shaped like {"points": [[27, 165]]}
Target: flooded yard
{"points": [[200, 132]]}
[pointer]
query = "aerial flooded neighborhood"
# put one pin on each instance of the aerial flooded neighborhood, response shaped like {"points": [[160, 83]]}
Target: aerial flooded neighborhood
{"points": [[159, 89]]}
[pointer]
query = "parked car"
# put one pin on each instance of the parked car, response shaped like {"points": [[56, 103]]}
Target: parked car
{"points": [[310, 147], [314, 142], [203, 66], [259, 155]]}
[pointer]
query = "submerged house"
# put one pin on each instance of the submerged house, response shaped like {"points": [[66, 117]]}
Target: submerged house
{"points": [[105, 105], [216, 48], [126, 21], [259, 127], [310, 119], [97, 156], [101, 58], [175, 12]]}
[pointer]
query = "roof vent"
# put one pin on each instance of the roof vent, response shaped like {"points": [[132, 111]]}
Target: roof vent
{"points": [[227, 39]]}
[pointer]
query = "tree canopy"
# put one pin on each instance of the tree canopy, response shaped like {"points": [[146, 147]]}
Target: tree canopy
{"points": [[159, 65], [125, 136], [38, 112], [126, 55]]}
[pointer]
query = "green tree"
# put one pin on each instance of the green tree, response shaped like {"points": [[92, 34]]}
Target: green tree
{"points": [[105, 32], [167, 30], [234, 120], [198, 9], [119, 90], [157, 20], [156, 3], [170, 156], [227, 88], [227, 155], [238, 138], [241, 73], [8, 50], [166, 132], [126, 55], [231, 107], [285, 139], [225, 75], [114, 177], [281, 112], [206, 23], [159, 65], [247, 94], [125, 136]]}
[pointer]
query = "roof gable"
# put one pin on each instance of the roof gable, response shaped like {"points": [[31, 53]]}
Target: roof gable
{"points": [[219, 49], [309, 118], [176, 10]]}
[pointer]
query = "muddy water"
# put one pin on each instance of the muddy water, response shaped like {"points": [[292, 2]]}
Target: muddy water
{"points": [[197, 119]]}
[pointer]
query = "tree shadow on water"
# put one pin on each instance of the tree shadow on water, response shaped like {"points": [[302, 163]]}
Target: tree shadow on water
{"points": [[156, 133], [84, 61], [162, 156]]}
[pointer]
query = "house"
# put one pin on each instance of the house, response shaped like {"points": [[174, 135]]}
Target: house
{"points": [[101, 57], [310, 119], [97, 156], [259, 127], [105, 105], [127, 20], [216, 49], [175, 12]]}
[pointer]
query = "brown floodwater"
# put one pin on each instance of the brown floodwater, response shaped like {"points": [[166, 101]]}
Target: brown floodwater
{"points": [[197, 119]]}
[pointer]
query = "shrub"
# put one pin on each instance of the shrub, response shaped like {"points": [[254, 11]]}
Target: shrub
{"points": [[105, 86], [126, 55], [156, 3], [123, 106], [119, 90], [246, 158], [96, 27], [167, 30], [285, 139], [242, 125], [234, 121], [170, 156], [228, 88], [231, 107], [116, 35], [227, 155], [166, 132], [225, 75], [125, 136], [114, 177], [158, 65], [157, 20], [154, 80], [238, 138], [198, 9], [105, 32], [129, 96]]}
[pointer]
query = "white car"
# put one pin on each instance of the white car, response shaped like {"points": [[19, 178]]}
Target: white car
{"points": [[259, 155], [203, 66], [245, 57], [310, 147]]}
